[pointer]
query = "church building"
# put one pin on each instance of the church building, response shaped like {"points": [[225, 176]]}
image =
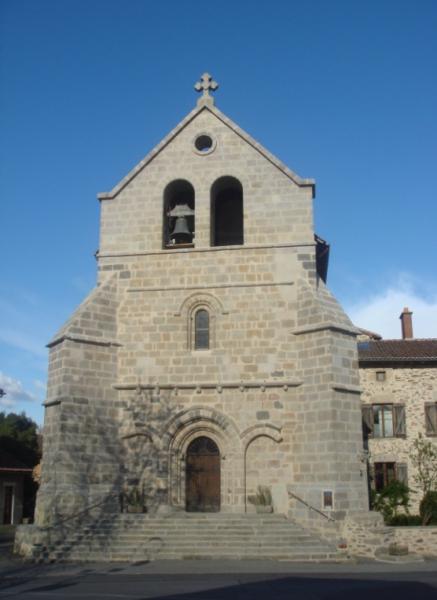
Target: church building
{"points": [[211, 362]]}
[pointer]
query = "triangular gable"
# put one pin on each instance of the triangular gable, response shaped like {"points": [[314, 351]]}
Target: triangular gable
{"points": [[224, 119]]}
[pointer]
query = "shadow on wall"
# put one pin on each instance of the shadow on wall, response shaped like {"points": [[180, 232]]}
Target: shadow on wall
{"points": [[141, 477]]}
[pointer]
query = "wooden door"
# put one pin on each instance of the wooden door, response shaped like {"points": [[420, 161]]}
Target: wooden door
{"points": [[8, 504], [203, 476]]}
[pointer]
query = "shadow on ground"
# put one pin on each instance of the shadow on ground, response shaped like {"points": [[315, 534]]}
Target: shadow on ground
{"points": [[385, 586]]}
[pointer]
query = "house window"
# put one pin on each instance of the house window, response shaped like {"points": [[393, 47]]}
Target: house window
{"points": [[179, 214], [383, 420], [386, 472], [227, 212], [380, 375], [201, 330], [431, 419]]}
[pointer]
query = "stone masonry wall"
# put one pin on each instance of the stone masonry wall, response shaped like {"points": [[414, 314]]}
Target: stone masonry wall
{"points": [[276, 210], [81, 458], [127, 390], [413, 387]]}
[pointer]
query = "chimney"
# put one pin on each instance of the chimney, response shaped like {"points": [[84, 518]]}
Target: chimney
{"points": [[407, 324]]}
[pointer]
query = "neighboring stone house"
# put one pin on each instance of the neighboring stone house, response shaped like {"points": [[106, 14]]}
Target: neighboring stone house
{"points": [[12, 476], [210, 358], [399, 381]]}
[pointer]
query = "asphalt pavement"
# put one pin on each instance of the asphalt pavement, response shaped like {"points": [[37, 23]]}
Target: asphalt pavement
{"points": [[218, 580]]}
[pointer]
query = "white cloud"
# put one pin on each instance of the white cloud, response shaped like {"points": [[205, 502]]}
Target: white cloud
{"points": [[15, 392], [380, 312]]}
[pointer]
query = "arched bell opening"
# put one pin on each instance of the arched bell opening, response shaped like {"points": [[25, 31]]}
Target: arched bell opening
{"points": [[202, 478], [179, 214], [227, 212]]}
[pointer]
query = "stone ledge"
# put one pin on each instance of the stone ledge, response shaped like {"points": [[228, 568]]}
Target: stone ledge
{"points": [[325, 326], [206, 249], [83, 340], [219, 386], [210, 287], [354, 389]]}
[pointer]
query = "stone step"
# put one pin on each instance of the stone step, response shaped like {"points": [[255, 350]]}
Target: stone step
{"points": [[302, 557], [142, 537], [197, 534], [221, 530]]}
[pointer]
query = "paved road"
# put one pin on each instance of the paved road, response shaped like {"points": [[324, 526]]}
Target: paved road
{"points": [[219, 580]]}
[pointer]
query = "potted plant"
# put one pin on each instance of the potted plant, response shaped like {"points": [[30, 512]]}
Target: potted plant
{"points": [[134, 501], [262, 500]]}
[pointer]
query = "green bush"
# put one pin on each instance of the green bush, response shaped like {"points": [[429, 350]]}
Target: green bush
{"points": [[405, 520], [395, 495], [428, 508]]}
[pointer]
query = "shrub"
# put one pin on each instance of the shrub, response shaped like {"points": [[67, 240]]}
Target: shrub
{"points": [[395, 495], [424, 459], [428, 508], [405, 520], [263, 497]]}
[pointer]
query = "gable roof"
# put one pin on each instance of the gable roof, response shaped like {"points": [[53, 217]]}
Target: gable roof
{"points": [[188, 119], [393, 351]]}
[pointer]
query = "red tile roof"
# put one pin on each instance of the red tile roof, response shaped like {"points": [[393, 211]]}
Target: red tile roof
{"points": [[414, 350]]}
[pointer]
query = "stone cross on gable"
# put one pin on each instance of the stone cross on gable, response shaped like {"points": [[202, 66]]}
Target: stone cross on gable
{"points": [[206, 84]]}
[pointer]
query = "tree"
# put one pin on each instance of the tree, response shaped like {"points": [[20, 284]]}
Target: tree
{"points": [[19, 437], [424, 458]]}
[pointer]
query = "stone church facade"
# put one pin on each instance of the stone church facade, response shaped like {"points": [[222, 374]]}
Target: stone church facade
{"points": [[210, 358]]}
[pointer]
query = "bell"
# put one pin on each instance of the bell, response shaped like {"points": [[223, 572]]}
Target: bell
{"points": [[180, 210], [181, 233]]}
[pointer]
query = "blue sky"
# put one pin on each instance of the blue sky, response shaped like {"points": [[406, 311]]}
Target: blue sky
{"points": [[341, 91]]}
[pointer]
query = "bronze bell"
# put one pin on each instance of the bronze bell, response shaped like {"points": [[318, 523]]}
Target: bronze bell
{"points": [[181, 233]]}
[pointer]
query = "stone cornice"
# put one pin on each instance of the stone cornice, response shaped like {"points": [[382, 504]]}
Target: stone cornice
{"points": [[83, 340], [218, 385], [327, 326], [100, 255], [353, 389], [211, 287]]}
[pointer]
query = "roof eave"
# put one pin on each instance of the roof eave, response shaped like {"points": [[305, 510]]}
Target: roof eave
{"points": [[368, 362]]}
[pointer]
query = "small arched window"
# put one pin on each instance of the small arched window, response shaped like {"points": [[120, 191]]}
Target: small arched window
{"points": [[179, 222], [227, 212], [201, 330]]}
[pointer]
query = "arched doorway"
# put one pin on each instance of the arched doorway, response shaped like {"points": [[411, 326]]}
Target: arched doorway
{"points": [[203, 476]]}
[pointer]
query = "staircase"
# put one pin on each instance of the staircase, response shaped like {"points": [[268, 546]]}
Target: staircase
{"points": [[135, 538]]}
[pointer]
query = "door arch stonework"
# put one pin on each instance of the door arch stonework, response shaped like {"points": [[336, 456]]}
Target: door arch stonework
{"points": [[192, 424]]}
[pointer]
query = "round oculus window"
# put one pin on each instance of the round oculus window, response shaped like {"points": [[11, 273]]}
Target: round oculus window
{"points": [[204, 144]]}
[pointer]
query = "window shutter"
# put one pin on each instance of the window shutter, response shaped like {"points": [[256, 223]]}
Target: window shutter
{"points": [[401, 473], [371, 475], [367, 413], [399, 420], [431, 419]]}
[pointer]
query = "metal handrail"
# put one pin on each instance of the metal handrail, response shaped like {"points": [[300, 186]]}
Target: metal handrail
{"points": [[328, 517], [80, 512]]}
